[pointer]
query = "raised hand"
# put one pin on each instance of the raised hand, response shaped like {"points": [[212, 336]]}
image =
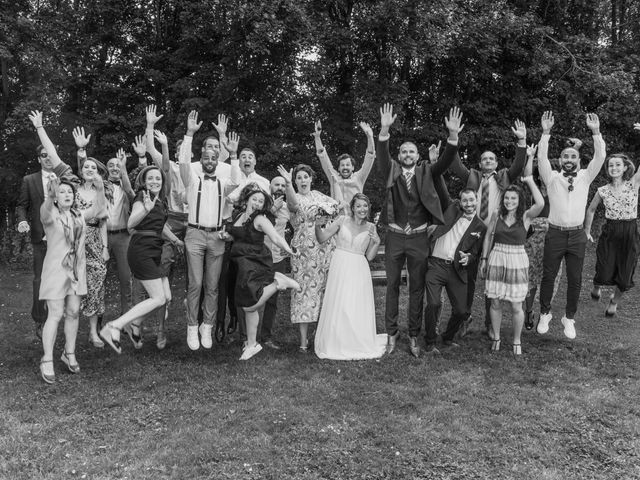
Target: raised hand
{"points": [[140, 146], [147, 202], [36, 118], [278, 203], [80, 138], [547, 121], [231, 144], [531, 150], [366, 128], [593, 122], [434, 152], [151, 116], [386, 116], [160, 137], [317, 129], [221, 126], [636, 126], [98, 182], [286, 174], [52, 188], [192, 123], [454, 122], [121, 155], [520, 130]]}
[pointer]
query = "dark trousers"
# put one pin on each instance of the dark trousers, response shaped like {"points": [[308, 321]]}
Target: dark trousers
{"points": [[118, 244], [442, 274], [226, 287], [414, 249], [39, 307], [471, 290], [569, 245], [271, 307]]}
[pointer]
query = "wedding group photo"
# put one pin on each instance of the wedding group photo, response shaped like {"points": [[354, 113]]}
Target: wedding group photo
{"points": [[330, 240]]}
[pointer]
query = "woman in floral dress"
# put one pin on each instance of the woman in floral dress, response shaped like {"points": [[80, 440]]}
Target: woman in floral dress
{"points": [[310, 264]]}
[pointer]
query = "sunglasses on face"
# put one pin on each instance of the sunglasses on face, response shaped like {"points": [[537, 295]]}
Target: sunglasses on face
{"points": [[43, 155]]}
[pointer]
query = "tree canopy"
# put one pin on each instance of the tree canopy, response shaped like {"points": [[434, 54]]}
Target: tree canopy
{"points": [[274, 66]]}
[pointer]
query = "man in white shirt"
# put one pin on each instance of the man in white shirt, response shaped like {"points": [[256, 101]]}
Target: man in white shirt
{"points": [[568, 191], [206, 195]]}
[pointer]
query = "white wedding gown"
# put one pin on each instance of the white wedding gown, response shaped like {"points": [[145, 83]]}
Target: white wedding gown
{"points": [[347, 325]]}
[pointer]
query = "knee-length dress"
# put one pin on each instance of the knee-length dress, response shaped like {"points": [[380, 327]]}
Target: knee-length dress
{"points": [[64, 268], [508, 264], [534, 246], [619, 242], [347, 325], [145, 246], [253, 262], [310, 265], [93, 302]]}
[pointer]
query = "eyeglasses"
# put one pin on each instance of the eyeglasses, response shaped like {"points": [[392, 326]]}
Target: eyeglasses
{"points": [[570, 180], [43, 155]]}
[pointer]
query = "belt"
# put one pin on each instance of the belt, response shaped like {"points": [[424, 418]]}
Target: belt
{"points": [[93, 224], [147, 233], [411, 232], [566, 229], [205, 229], [446, 261], [114, 232]]}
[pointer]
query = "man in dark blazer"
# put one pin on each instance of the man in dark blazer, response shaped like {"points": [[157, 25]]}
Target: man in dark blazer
{"points": [[489, 183], [455, 249], [28, 212], [411, 205]]}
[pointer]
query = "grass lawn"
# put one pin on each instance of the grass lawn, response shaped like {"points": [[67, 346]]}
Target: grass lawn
{"points": [[566, 409]]}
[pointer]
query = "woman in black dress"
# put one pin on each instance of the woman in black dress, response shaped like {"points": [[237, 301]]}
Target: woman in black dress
{"points": [[256, 281], [147, 220]]}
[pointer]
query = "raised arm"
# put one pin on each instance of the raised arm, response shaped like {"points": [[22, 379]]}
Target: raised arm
{"points": [[152, 119], [591, 211], [531, 154], [370, 155], [387, 118], [321, 152], [164, 145], [538, 201], [544, 166], [454, 125], [516, 168], [374, 243], [635, 180], [82, 141], [99, 208], [49, 197], [186, 173], [36, 120], [221, 128], [230, 145], [125, 183], [292, 199], [599, 147]]}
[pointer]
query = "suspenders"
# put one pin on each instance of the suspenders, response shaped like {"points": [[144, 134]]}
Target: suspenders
{"points": [[219, 202]]}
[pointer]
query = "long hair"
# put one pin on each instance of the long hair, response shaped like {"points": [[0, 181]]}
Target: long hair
{"points": [[631, 169], [142, 177], [521, 202], [102, 169], [251, 189], [359, 196]]}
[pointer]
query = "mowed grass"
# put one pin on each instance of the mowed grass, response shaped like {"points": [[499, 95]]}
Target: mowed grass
{"points": [[566, 409]]}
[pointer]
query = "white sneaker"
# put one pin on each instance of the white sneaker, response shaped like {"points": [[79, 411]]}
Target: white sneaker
{"points": [[192, 337], [543, 323], [569, 327], [205, 336], [249, 352]]}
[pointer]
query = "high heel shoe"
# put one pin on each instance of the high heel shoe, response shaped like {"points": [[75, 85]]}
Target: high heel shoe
{"points": [[495, 345], [517, 349], [94, 340], [135, 336], [107, 335], [73, 367], [48, 378]]}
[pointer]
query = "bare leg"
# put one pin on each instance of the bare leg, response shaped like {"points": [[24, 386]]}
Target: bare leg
{"points": [[304, 341], [55, 310], [496, 320], [252, 319], [71, 322], [518, 321]]}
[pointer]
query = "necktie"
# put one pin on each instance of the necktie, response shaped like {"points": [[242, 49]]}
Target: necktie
{"points": [[484, 199], [407, 178]]}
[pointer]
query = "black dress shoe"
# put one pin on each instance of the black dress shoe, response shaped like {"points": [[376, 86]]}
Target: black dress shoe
{"points": [[528, 320], [233, 325], [450, 344], [39, 331]]}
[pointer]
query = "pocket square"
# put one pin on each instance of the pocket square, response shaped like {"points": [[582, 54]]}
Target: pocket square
{"points": [[475, 234]]}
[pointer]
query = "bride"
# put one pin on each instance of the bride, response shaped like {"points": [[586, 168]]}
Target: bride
{"points": [[347, 325]]}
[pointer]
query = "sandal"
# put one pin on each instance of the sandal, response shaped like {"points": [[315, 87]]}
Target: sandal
{"points": [[135, 336], [73, 367], [48, 378], [517, 349], [95, 341], [107, 335], [495, 345]]}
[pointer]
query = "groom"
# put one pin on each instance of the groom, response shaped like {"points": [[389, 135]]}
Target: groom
{"points": [[411, 205]]}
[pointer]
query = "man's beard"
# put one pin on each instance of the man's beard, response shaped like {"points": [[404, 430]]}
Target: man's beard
{"points": [[278, 195], [569, 167]]}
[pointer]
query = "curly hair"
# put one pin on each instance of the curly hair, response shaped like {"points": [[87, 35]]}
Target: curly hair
{"points": [[359, 196], [631, 169], [303, 167], [521, 202], [248, 191], [142, 178]]}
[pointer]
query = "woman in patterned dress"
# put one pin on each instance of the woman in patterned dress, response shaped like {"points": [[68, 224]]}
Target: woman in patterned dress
{"points": [[92, 304], [619, 242], [505, 265], [310, 264]]}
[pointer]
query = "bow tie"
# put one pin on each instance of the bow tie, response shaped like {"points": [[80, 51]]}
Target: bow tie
{"points": [[469, 217], [210, 177], [115, 182], [570, 174]]}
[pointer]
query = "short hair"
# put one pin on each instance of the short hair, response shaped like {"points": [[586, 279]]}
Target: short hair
{"points": [[359, 196], [39, 149], [251, 189], [467, 190], [303, 167], [521, 202], [247, 149], [631, 169], [69, 181], [210, 137], [346, 156]]}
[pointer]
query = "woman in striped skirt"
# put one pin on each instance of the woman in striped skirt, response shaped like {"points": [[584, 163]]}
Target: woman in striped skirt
{"points": [[504, 263]]}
